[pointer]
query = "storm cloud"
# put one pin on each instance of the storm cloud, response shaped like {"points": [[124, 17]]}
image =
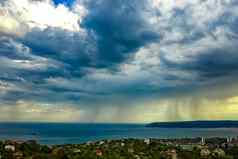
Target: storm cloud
{"points": [[153, 57]]}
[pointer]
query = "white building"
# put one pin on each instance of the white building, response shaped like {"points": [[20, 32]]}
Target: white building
{"points": [[9, 148], [147, 141], [203, 141]]}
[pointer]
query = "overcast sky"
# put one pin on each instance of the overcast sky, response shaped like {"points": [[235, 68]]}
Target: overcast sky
{"points": [[118, 60]]}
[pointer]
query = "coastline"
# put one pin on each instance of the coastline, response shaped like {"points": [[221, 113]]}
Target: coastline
{"points": [[124, 148], [196, 124], [74, 133]]}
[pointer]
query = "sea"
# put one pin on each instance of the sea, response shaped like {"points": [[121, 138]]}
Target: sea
{"points": [[75, 133]]}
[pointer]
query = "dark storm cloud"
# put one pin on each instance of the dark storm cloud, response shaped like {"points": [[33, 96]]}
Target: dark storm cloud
{"points": [[87, 63], [216, 63], [112, 32], [8, 49], [121, 28], [71, 48], [210, 65], [211, 54]]}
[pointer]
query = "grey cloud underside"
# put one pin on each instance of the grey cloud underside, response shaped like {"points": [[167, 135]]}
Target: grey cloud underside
{"points": [[214, 64], [217, 58], [54, 64], [120, 27], [114, 30]]}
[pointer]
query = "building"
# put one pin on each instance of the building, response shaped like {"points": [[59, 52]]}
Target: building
{"points": [[147, 141], [18, 155], [170, 154], [229, 139], [205, 152], [122, 144], [219, 152], [203, 141], [188, 147], [9, 148], [98, 152]]}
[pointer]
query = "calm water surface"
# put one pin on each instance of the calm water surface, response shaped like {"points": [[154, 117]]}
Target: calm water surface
{"points": [[48, 133]]}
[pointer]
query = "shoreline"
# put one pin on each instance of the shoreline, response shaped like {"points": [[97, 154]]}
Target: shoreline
{"points": [[123, 148]]}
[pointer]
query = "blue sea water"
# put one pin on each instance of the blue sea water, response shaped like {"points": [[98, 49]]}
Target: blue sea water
{"points": [[61, 133]]}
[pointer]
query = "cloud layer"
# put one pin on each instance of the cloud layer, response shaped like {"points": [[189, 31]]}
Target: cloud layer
{"points": [[123, 56]]}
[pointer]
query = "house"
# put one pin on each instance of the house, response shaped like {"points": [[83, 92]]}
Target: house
{"points": [[169, 154], [205, 152], [18, 155], [219, 152], [9, 148], [99, 152], [77, 151], [130, 150], [122, 144], [147, 141], [172, 153]]}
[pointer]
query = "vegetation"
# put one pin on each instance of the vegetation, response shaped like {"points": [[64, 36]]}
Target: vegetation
{"points": [[115, 149]]}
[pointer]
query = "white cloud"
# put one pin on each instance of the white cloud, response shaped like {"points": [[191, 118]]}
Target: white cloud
{"points": [[20, 16]]}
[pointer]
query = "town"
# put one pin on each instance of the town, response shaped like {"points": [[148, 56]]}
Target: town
{"points": [[186, 148]]}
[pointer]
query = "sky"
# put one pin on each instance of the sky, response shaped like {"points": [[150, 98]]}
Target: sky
{"points": [[118, 61]]}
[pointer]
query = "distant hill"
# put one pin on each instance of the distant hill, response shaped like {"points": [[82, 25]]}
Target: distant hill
{"points": [[195, 124]]}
